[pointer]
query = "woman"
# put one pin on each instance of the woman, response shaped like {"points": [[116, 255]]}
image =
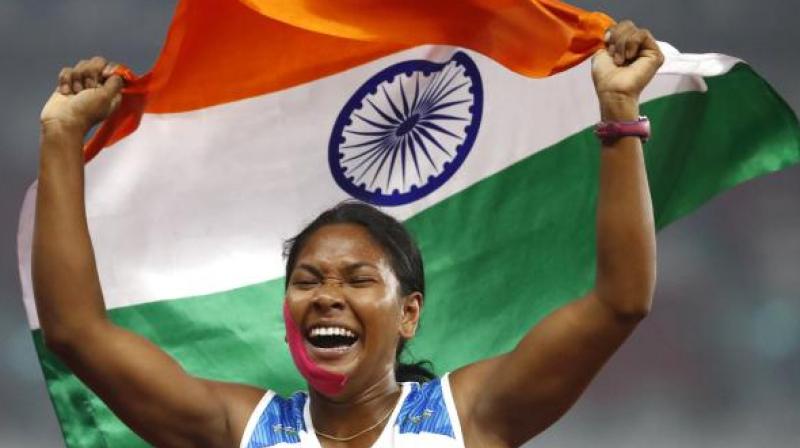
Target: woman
{"points": [[354, 294]]}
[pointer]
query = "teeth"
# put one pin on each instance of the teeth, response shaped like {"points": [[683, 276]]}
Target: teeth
{"points": [[331, 331]]}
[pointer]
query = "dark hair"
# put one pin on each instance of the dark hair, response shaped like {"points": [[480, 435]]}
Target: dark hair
{"points": [[401, 249]]}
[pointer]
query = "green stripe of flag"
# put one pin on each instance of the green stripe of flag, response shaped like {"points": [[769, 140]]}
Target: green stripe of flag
{"points": [[499, 255]]}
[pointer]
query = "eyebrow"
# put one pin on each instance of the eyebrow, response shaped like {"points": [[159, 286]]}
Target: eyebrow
{"points": [[310, 268], [350, 267], [360, 264]]}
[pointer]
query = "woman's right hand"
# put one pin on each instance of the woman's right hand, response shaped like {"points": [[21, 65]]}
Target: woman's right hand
{"points": [[86, 95]]}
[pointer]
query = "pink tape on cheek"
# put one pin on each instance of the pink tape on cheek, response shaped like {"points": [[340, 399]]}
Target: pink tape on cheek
{"points": [[328, 383]]}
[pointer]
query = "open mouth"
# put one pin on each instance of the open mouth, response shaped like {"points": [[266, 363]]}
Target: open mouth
{"points": [[331, 338]]}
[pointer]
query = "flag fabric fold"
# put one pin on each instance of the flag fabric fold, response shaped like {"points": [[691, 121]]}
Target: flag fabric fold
{"points": [[262, 46], [258, 115]]}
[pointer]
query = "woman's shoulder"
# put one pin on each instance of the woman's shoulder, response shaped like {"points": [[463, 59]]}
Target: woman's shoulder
{"points": [[428, 407], [284, 407], [276, 419]]}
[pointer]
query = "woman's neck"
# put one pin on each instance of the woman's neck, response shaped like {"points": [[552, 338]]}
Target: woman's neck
{"points": [[343, 417]]}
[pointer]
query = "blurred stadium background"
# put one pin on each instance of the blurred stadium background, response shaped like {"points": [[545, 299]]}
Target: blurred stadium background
{"points": [[717, 364]]}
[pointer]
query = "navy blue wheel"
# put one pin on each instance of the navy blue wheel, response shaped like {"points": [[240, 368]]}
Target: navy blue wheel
{"points": [[407, 130]]}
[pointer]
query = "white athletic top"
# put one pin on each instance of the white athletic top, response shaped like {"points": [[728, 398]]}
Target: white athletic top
{"points": [[424, 417]]}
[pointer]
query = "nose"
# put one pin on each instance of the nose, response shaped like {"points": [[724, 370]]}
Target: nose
{"points": [[329, 297]]}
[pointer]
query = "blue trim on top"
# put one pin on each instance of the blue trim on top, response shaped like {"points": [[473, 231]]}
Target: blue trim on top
{"points": [[281, 422], [424, 410]]}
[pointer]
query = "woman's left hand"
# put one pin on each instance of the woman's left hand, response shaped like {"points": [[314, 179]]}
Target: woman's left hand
{"points": [[622, 70]]}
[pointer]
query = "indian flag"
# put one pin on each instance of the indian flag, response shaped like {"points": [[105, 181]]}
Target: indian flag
{"points": [[469, 120]]}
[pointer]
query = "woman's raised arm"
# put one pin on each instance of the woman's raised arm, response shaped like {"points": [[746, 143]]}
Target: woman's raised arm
{"points": [[146, 388], [508, 399]]}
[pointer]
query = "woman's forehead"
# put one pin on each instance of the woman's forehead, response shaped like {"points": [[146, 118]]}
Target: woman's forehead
{"points": [[342, 244]]}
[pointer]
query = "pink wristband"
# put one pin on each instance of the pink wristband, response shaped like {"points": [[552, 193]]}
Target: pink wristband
{"points": [[610, 131]]}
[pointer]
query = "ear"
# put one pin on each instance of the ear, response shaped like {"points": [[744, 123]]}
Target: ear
{"points": [[409, 318]]}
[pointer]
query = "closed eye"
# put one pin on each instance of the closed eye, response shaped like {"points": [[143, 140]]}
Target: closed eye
{"points": [[305, 284], [306, 277], [362, 281]]}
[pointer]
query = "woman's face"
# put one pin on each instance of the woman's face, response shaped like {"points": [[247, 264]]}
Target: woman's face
{"points": [[345, 298]]}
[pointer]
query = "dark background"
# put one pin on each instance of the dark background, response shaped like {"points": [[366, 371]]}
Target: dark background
{"points": [[717, 364]]}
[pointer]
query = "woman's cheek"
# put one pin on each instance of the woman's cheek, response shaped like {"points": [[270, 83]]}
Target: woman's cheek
{"points": [[298, 301], [375, 307]]}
